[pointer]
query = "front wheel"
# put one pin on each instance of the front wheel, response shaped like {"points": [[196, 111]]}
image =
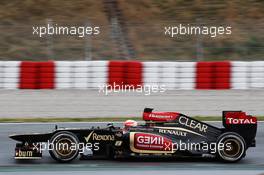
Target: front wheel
{"points": [[232, 148], [64, 146]]}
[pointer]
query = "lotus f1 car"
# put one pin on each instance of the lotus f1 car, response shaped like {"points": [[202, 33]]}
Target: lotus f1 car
{"points": [[164, 134]]}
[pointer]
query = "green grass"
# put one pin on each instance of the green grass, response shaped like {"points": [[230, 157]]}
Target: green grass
{"points": [[98, 119]]}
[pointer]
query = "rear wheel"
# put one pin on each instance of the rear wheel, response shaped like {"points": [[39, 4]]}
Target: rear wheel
{"points": [[232, 148], [64, 146]]}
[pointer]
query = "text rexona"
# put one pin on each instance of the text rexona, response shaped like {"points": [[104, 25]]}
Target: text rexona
{"points": [[99, 137]]}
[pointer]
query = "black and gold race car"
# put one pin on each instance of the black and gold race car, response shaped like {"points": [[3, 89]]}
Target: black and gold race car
{"points": [[164, 134]]}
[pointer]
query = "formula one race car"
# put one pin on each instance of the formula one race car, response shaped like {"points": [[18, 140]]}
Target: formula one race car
{"points": [[164, 134]]}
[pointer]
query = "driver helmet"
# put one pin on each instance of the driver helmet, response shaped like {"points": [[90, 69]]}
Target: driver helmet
{"points": [[130, 123]]}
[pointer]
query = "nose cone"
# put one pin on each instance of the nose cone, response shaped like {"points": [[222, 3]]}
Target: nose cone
{"points": [[15, 137]]}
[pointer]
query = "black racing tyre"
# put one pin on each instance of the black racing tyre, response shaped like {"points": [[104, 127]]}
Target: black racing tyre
{"points": [[234, 147], [64, 146]]}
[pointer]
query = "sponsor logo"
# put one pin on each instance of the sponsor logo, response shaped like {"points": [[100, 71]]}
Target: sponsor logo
{"points": [[173, 132], [184, 130], [99, 137], [150, 140], [146, 142], [20, 153], [118, 143], [193, 124], [239, 117], [230, 120], [161, 116]]}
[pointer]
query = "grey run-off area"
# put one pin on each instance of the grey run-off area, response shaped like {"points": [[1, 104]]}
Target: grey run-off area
{"points": [[91, 103]]}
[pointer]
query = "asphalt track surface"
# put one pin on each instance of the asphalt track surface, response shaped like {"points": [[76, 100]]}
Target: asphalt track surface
{"points": [[92, 103], [253, 163]]}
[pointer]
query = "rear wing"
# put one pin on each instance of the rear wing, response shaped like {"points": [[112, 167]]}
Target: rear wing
{"points": [[241, 123], [238, 118]]}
